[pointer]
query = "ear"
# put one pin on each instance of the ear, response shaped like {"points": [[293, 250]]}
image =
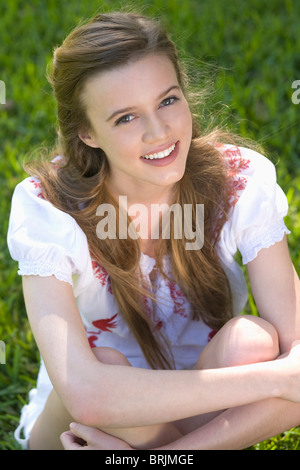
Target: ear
{"points": [[88, 139]]}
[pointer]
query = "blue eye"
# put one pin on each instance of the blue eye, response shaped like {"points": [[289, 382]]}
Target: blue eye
{"points": [[127, 118], [169, 101], [124, 119]]}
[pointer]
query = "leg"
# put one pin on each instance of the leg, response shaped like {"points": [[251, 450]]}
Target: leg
{"points": [[141, 437], [242, 427], [242, 340], [55, 419]]}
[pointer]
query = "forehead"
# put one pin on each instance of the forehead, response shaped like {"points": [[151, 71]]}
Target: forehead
{"points": [[130, 84]]}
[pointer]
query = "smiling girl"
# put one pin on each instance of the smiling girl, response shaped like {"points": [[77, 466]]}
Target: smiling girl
{"points": [[138, 335]]}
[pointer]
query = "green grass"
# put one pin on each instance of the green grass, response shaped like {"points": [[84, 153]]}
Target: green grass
{"points": [[255, 44]]}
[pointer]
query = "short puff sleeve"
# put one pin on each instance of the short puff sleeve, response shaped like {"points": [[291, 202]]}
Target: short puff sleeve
{"points": [[260, 205], [43, 239]]}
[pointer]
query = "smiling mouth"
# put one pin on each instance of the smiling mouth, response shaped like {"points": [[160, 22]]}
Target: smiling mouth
{"points": [[160, 155]]}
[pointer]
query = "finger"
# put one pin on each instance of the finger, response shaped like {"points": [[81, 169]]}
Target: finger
{"points": [[70, 441], [83, 432], [94, 438], [97, 439]]}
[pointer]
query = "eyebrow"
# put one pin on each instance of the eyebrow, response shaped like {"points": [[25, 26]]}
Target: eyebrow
{"points": [[126, 110]]}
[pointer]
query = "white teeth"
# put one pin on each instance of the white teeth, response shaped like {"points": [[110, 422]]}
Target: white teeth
{"points": [[159, 155]]}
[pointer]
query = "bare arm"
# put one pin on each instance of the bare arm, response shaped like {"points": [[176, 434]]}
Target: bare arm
{"points": [[276, 290], [95, 393]]}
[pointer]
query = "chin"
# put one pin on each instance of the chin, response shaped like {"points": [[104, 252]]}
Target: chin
{"points": [[170, 181]]}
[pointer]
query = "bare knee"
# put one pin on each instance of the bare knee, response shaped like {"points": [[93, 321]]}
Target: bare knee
{"points": [[248, 339], [242, 340], [110, 356]]}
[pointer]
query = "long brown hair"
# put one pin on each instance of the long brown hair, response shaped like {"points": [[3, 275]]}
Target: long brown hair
{"points": [[78, 185]]}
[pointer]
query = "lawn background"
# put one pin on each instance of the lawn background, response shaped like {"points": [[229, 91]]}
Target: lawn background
{"points": [[252, 51]]}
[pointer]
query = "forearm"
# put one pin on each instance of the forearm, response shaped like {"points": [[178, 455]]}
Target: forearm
{"points": [[130, 397], [241, 427], [103, 395], [287, 320]]}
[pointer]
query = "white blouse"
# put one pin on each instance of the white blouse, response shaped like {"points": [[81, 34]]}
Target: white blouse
{"points": [[46, 241]]}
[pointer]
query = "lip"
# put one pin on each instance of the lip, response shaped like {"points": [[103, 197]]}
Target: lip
{"points": [[159, 149], [162, 161]]}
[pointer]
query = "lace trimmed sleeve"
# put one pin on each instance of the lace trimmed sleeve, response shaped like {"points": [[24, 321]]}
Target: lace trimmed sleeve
{"points": [[44, 240], [258, 204]]}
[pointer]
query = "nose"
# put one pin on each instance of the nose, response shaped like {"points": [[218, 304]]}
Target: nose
{"points": [[156, 130]]}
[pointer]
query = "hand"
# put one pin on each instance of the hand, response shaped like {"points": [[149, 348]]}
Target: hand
{"points": [[291, 361], [82, 437]]}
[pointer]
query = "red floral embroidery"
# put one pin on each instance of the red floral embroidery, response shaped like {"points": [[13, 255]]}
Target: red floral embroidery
{"points": [[106, 324], [178, 299], [235, 164], [234, 160], [102, 275], [37, 185], [159, 325], [237, 184], [147, 307], [211, 335], [91, 340]]}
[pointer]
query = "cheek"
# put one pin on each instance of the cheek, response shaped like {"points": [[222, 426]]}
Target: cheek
{"points": [[120, 150], [109, 142], [184, 120]]}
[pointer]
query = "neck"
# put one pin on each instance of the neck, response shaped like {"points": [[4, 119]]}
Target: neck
{"points": [[145, 195], [145, 208]]}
